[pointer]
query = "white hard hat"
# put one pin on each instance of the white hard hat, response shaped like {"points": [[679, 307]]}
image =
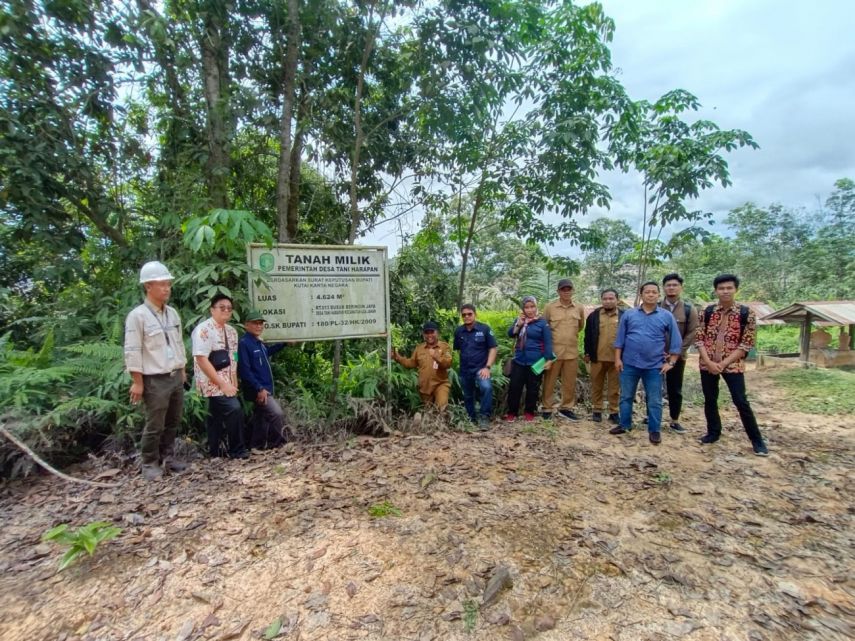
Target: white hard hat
{"points": [[154, 270]]}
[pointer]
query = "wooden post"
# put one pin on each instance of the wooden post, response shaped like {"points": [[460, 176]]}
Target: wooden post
{"points": [[852, 336], [805, 350]]}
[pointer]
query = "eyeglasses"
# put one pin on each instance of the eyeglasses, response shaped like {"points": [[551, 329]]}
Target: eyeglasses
{"points": [[223, 308], [465, 314]]}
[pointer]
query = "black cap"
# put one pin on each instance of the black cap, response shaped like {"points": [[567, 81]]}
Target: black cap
{"points": [[565, 282], [430, 326]]}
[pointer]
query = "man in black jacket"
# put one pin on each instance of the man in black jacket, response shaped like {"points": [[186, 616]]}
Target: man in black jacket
{"points": [[600, 332]]}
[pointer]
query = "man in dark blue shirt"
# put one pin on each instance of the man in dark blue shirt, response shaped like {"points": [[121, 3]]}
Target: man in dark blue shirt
{"points": [[645, 336], [477, 347], [268, 419]]}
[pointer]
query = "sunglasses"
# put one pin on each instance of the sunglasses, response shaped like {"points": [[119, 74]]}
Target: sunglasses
{"points": [[223, 308], [465, 314]]}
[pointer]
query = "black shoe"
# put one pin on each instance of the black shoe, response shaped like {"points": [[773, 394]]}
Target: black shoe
{"points": [[619, 430], [546, 416], [760, 449], [707, 439], [241, 454], [568, 414], [614, 418], [597, 417], [655, 438], [677, 428]]}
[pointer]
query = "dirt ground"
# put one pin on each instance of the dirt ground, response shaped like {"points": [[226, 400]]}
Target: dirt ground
{"points": [[523, 532]]}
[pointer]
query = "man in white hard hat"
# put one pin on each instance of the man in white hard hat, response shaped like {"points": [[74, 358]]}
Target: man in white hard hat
{"points": [[155, 359]]}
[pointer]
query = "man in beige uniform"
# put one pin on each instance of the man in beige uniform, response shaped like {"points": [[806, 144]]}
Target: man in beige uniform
{"points": [[155, 359], [433, 359], [565, 319]]}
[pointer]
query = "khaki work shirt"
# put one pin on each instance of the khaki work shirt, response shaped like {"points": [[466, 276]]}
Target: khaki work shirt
{"points": [[688, 327], [608, 334], [431, 373], [153, 343], [565, 321]]}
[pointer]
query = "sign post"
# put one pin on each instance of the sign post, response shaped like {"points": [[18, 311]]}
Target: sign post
{"points": [[321, 292]]}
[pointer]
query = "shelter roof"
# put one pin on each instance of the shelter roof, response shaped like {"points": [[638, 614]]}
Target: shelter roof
{"points": [[831, 312]]}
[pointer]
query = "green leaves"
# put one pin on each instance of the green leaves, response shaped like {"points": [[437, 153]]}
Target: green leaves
{"points": [[225, 230], [84, 539]]}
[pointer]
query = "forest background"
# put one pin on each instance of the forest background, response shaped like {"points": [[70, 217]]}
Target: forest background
{"points": [[184, 129]]}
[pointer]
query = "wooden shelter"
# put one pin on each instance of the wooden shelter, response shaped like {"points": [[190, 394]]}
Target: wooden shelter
{"points": [[835, 313]]}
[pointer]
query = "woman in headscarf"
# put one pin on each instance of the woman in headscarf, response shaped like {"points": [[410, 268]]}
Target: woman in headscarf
{"points": [[533, 343]]}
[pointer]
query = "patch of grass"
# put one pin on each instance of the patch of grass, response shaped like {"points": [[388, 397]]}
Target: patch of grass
{"points": [[818, 391], [470, 615], [381, 510], [279, 469], [546, 428], [663, 478]]}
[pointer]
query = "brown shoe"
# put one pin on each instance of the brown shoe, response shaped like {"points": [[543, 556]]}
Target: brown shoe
{"points": [[171, 464], [152, 472]]}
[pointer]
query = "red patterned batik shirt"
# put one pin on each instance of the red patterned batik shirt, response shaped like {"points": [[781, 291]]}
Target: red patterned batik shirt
{"points": [[721, 336]]}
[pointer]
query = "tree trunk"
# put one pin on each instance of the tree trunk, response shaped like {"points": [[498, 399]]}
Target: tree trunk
{"points": [[296, 163], [215, 77], [359, 134], [289, 74], [470, 234]]}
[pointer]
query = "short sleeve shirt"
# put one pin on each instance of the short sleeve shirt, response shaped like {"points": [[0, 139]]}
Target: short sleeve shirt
{"points": [[474, 346], [206, 338]]}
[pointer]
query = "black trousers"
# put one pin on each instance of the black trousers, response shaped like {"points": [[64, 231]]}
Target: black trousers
{"points": [[522, 376], [225, 419], [736, 385], [674, 387]]}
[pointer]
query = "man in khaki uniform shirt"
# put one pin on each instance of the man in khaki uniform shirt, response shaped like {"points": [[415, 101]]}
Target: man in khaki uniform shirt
{"points": [[600, 333], [432, 358], [155, 359], [565, 319]]}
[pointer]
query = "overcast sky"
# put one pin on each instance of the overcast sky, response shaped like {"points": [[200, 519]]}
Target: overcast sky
{"points": [[783, 71]]}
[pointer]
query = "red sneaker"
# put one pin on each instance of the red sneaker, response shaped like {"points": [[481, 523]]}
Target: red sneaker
{"points": [[529, 416], [510, 418]]}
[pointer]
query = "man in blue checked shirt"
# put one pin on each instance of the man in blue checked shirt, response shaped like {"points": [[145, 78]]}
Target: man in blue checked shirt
{"points": [[268, 419], [648, 344]]}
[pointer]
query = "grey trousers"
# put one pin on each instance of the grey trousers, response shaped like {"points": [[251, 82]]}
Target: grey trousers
{"points": [[267, 425], [163, 396]]}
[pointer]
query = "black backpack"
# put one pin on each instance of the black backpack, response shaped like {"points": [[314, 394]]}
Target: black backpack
{"points": [[743, 318]]}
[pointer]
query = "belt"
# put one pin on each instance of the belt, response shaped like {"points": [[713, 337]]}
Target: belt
{"points": [[174, 372]]}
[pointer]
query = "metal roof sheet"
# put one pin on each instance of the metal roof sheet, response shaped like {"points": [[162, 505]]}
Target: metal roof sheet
{"points": [[833, 312]]}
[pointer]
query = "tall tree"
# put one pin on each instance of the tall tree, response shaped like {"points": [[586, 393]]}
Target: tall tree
{"points": [[676, 159]]}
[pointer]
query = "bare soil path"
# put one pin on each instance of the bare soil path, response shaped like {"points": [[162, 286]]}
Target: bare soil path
{"points": [[565, 532]]}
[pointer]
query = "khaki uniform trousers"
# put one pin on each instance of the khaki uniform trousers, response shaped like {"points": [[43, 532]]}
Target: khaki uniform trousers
{"points": [[600, 372], [566, 369], [439, 396]]}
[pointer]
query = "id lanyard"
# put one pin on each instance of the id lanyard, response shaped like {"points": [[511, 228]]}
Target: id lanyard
{"points": [[170, 354]]}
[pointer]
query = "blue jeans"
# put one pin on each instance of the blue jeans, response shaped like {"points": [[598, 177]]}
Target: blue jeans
{"points": [[469, 382], [652, 379]]}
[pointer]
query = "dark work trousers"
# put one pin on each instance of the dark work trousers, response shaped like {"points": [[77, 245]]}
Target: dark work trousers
{"points": [[225, 419], [267, 425], [522, 376], [163, 396], [674, 386], [736, 385]]}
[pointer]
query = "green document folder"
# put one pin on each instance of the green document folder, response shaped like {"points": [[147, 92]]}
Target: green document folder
{"points": [[538, 366]]}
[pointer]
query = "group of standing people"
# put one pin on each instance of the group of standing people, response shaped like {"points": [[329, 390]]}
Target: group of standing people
{"points": [[644, 344], [647, 344], [156, 358]]}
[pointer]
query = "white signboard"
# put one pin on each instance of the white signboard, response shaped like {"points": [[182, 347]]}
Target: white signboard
{"points": [[321, 292]]}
